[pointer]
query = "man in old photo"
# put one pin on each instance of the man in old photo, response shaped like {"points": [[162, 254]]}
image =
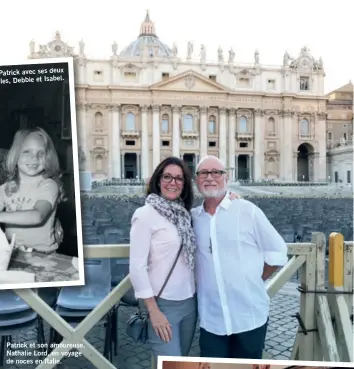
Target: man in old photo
{"points": [[237, 250]]}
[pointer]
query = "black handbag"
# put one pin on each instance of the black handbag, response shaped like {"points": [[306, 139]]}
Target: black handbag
{"points": [[137, 324]]}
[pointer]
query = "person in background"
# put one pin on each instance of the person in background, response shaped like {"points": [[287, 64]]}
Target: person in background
{"points": [[32, 191], [237, 250]]}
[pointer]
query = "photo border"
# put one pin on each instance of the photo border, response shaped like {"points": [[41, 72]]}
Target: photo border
{"points": [[80, 245], [162, 359]]}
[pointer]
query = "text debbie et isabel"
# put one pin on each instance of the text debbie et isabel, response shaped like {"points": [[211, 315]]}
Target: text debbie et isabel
{"points": [[31, 75]]}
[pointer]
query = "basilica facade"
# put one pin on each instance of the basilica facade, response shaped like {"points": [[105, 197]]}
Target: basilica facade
{"points": [[150, 101]]}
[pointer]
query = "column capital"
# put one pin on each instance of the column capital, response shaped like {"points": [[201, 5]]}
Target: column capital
{"points": [[156, 108], [82, 106], [258, 112], [203, 109], [222, 110], [232, 111], [322, 115], [144, 108], [287, 113], [116, 107], [176, 109]]}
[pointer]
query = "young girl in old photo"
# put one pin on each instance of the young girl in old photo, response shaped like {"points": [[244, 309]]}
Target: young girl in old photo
{"points": [[29, 197]]}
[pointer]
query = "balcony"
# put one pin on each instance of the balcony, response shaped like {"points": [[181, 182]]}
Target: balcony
{"points": [[244, 136], [306, 137], [130, 134], [191, 135]]}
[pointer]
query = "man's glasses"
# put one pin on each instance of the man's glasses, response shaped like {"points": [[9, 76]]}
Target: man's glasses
{"points": [[203, 174], [167, 178]]}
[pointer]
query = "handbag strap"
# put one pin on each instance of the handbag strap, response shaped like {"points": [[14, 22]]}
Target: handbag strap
{"points": [[169, 274]]}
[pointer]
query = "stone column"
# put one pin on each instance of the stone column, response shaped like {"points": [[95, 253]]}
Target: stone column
{"points": [[232, 130], [144, 143], [155, 136], [250, 163], [110, 144], [82, 128], [294, 166], [176, 113], [258, 145], [203, 134], [286, 79], [222, 135], [286, 146], [81, 77], [115, 142], [123, 165], [281, 132], [138, 163], [236, 167], [320, 136], [85, 170]]}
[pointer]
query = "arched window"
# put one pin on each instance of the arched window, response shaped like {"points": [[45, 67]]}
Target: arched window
{"points": [[164, 123], [304, 128], [188, 123], [243, 125], [212, 125], [130, 122], [271, 126], [98, 120]]}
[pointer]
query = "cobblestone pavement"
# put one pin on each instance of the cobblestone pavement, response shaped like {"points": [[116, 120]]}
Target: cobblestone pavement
{"points": [[279, 341]]}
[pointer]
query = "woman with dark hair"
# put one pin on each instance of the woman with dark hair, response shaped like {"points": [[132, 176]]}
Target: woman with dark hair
{"points": [[162, 245]]}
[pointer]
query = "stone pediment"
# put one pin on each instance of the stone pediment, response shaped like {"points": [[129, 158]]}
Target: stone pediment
{"points": [[189, 81], [129, 67], [306, 62], [245, 73], [54, 49]]}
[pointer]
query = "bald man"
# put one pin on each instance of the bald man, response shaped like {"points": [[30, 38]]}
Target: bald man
{"points": [[237, 250]]}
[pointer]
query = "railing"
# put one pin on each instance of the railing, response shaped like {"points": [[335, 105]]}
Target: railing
{"points": [[130, 133], [244, 136], [247, 182], [306, 137], [319, 336]]}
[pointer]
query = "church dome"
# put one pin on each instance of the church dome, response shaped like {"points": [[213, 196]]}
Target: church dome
{"points": [[147, 42]]}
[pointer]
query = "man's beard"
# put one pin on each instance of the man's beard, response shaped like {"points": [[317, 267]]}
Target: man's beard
{"points": [[214, 193]]}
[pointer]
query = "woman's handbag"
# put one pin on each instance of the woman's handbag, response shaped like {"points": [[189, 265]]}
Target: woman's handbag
{"points": [[137, 324]]}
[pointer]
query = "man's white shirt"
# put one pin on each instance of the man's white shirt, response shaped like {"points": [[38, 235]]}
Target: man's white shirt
{"points": [[232, 297]]}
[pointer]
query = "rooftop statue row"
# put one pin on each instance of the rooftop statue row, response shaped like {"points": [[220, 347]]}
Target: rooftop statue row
{"points": [[57, 48], [149, 47]]}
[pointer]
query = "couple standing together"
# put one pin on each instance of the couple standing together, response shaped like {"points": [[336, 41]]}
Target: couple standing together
{"points": [[224, 250]]}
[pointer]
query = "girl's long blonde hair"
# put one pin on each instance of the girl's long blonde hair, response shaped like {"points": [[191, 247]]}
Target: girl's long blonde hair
{"points": [[51, 162]]}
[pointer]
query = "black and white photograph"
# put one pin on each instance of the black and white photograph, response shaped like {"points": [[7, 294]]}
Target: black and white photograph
{"points": [[40, 214]]}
